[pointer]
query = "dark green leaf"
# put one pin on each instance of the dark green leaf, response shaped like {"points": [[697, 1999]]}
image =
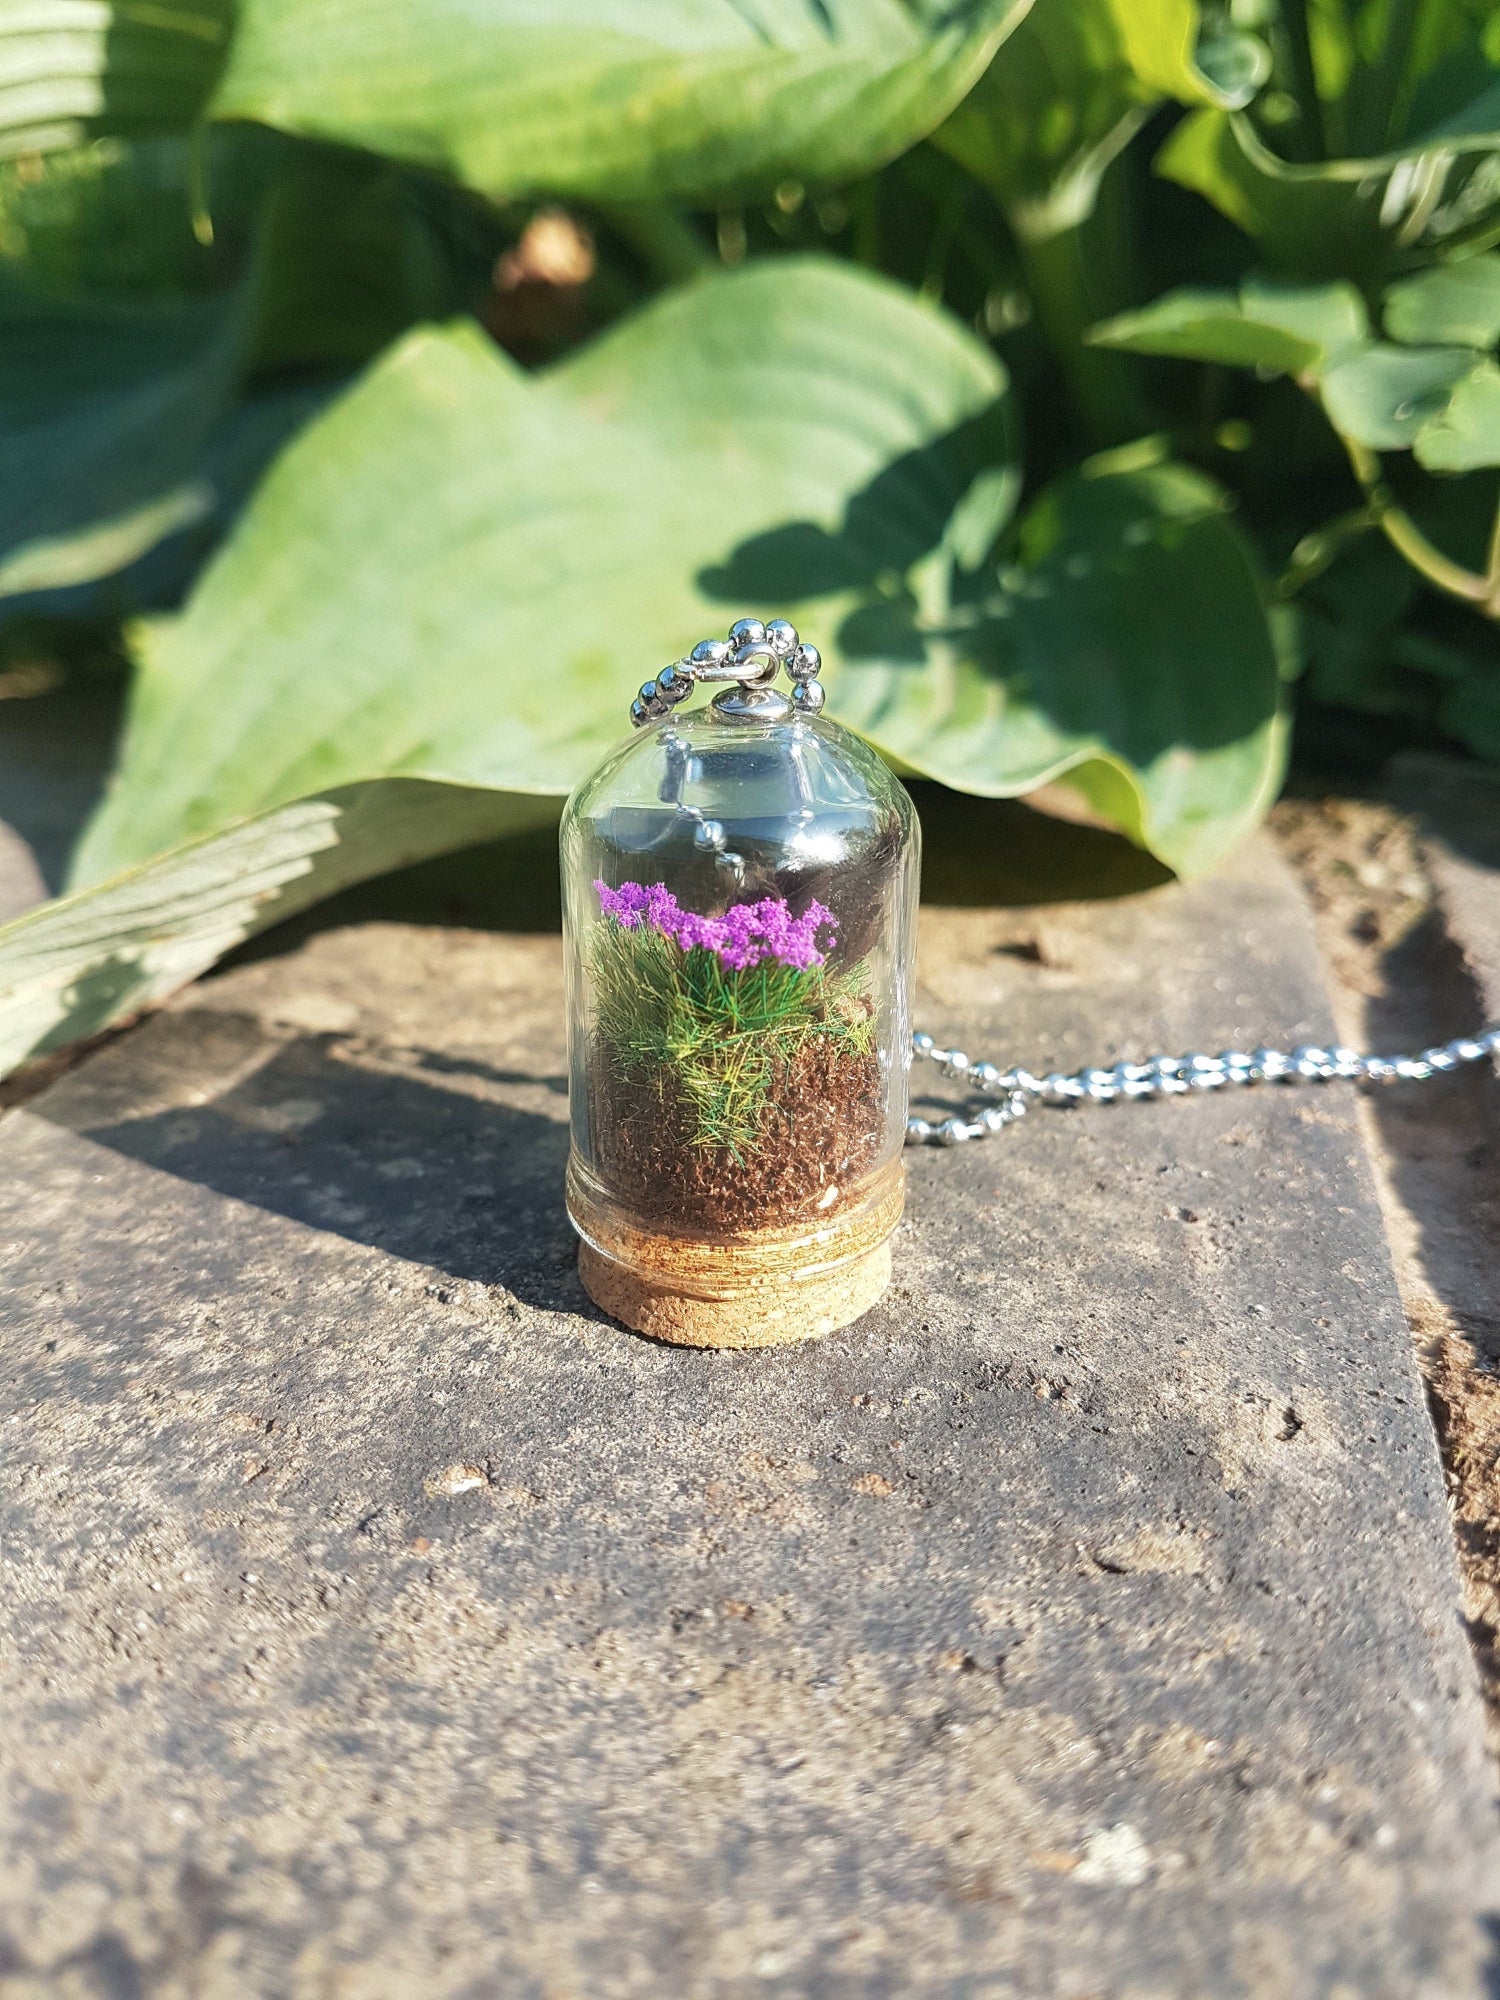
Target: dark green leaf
{"points": [[1291, 328], [113, 218], [1073, 85], [105, 409], [1465, 434], [1471, 712], [345, 262], [1383, 396], [1356, 218]]}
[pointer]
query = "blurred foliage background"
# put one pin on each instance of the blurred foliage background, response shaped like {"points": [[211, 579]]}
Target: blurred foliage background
{"points": [[387, 385]]}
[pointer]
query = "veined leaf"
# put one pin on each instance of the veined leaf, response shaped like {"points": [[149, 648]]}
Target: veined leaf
{"points": [[1126, 648], [459, 572], [1294, 329], [614, 100], [105, 410], [114, 566], [124, 342], [70, 69], [76, 966]]}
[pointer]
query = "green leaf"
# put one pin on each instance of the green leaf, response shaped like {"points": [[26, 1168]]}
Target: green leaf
{"points": [[71, 71], [461, 571], [122, 343], [1472, 714], [1125, 648], [1070, 89], [1451, 305], [144, 557], [1183, 50], [1294, 329], [1383, 396], [614, 100], [113, 218], [78, 965], [631, 100], [1465, 434], [105, 411], [1356, 218], [345, 260], [124, 340]]}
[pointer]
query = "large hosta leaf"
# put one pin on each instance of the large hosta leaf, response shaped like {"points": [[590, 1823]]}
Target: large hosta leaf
{"points": [[1125, 646], [618, 100], [105, 412], [459, 572], [125, 342], [75, 966], [615, 99], [1072, 86], [70, 69]]}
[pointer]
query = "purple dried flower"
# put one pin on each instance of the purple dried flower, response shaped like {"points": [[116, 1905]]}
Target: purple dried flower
{"points": [[744, 937]]}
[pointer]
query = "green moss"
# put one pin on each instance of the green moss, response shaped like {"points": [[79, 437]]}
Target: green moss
{"points": [[722, 1036]]}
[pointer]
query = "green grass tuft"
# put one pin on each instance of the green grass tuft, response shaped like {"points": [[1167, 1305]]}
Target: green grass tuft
{"points": [[725, 1036]]}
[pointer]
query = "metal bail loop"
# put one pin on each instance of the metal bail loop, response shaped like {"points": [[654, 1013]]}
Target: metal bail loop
{"points": [[748, 661]]}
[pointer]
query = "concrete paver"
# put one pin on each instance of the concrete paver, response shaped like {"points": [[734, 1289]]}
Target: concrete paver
{"points": [[379, 1620]]}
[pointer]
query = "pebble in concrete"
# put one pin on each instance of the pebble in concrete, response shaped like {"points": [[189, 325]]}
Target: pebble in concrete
{"points": [[379, 1620]]}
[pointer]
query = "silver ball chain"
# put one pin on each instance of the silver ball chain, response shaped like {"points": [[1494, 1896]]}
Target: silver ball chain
{"points": [[753, 654], [1016, 1090]]}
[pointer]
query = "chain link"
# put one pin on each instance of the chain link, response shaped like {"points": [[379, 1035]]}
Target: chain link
{"points": [[1014, 1091]]}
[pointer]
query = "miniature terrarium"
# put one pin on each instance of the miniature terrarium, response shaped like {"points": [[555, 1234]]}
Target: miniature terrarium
{"points": [[739, 889]]}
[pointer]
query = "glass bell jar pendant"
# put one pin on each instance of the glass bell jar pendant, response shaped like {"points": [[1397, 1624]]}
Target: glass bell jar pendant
{"points": [[739, 902]]}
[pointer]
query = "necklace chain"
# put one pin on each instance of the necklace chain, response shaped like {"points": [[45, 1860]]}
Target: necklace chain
{"points": [[1012, 1092]]}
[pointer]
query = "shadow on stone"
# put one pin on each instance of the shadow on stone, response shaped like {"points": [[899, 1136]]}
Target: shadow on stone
{"points": [[444, 1177]]}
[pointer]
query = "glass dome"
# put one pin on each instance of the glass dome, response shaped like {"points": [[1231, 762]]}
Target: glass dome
{"points": [[739, 889]]}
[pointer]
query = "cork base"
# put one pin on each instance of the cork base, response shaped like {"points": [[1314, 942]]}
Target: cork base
{"points": [[762, 1290], [782, 1314]]}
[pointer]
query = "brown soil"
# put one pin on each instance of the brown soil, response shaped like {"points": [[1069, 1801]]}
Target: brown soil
{"points": [[1398, 982], [822, 1134]]}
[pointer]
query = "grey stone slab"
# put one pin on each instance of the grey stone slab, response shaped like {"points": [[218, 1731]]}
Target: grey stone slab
{"points": [[378, 1620]]}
